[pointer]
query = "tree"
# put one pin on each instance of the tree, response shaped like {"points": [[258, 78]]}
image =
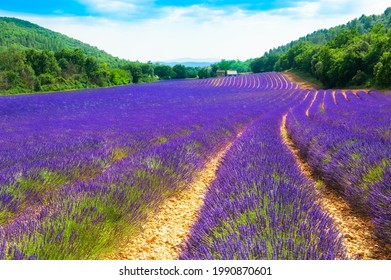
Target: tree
{"points": [[91, 66], [147, 69], [72, 62], [192, 72], [204, 73], [304, 57], [224, 64], [165, 72], [12, 59], [97, 74], [258, 65], [360, 78], [135, 70], [343, 38], [180, 71], [15, 73], [46, 79], [323, 65], [383, 70], [213, 70], [377, 44], [43, 62], [119, 77], [351, 66]]}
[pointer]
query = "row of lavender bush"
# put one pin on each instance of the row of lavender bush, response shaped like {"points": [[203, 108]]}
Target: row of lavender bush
{"points": [[80, 170], [346, 138], [260, 206]]}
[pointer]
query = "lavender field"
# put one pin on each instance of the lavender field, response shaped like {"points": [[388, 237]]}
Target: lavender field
{"points": [[81, 171]]}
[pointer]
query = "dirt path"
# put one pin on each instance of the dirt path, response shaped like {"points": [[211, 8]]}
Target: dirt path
{"points": [[357, 230], [166, 230], [299, 81]]}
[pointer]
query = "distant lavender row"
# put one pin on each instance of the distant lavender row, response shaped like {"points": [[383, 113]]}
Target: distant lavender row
{"points": [[260, 206], [79, 169], [348, 142], [265, 81]]}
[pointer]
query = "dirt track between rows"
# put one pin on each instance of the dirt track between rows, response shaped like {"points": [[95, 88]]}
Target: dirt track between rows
{"points": [[164, 231], [358, 230]]}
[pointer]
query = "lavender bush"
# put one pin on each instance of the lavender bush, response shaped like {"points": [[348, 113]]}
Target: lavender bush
{"points": [[347, 141], [80, 170], [260, 206]]}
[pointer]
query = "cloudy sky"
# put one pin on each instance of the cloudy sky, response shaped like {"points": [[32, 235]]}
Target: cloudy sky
{"points": [[167, 30]]}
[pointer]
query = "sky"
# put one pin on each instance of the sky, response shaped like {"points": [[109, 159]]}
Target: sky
{"points": [[163, 30]]}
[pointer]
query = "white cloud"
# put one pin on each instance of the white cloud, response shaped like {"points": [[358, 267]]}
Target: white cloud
{"points": [[334, 8], [194, 13], [200, 32], [118, 7]]}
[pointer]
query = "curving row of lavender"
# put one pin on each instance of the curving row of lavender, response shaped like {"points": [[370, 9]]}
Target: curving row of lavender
{"points": [[265, 81], [260, 206], [346, 138], [78, 170]]}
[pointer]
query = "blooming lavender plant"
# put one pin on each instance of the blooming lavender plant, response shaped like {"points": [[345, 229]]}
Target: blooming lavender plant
{"points": [[260, 206], [80, 170], [348, 144]]}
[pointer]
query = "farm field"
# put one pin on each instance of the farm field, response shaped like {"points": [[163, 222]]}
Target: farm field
{"points": [[82, 172]]}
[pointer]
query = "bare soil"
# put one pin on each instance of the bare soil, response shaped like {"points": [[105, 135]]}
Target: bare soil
{"points": [[299, 81], [357, 229], [165, 230]]}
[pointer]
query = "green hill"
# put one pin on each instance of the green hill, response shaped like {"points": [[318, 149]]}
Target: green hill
{"points": [[35, 59], [350, 55], [363, 25], [25, 34]]}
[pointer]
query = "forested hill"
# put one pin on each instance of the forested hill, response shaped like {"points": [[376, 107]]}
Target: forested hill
{"points": [[35, 59], [25, 34], [354, 54]]}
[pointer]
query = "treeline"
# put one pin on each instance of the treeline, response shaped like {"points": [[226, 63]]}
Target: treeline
{"points": [[358, 55], [30, 70], [239, 66], [179, 71], [34, 59], [182, 72]]}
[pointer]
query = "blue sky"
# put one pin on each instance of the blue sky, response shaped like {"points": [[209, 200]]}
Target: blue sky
{"points": [[85, 8], [164, 30], [45, 7], [136, 9]]}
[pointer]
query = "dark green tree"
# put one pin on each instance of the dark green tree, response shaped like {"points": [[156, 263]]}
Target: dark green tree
{"points": [[180, 71], [164, 72], [382, 70], [204, 73]]}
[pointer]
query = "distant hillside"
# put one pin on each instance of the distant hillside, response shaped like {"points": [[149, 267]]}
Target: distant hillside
{"points": [[187, 63], [25, 34], [355, 54], [190, 62]]}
